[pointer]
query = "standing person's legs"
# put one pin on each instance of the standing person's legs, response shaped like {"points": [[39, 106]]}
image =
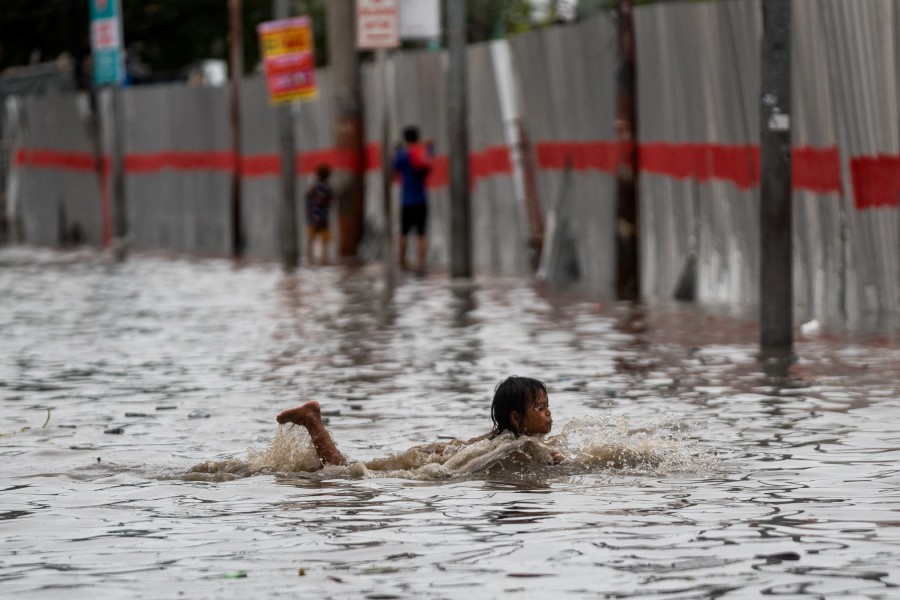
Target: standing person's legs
{"points": [[309, 415], [402, 251], [422, 228], [310, 244], [324, 240], [422, 252], [405, 226]]}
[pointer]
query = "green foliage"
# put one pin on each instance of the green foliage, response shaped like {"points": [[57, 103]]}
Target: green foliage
{"points": [[169, 35], [40, 31], [489, 19], [162, 37]]}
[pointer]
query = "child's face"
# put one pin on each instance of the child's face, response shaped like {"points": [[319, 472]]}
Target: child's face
{"points": [[538, 420]]}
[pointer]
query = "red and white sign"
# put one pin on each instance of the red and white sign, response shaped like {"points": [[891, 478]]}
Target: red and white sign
{"points": [[287, 49], [377, 24], [105, 34]]}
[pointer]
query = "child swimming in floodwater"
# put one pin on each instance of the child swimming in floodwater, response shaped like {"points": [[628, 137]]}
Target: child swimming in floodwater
{"points": [[521, 406]]}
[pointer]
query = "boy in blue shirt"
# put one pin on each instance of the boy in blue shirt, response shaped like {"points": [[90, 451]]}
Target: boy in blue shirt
{"points": [[413, 162]]}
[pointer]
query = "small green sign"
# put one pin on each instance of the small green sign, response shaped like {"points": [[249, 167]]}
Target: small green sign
{"points": [[106, 42]]}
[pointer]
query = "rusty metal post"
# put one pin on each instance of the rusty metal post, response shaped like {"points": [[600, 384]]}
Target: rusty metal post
{"points": [[236, 68], [387, 170], [348, 139], [628, 206]]}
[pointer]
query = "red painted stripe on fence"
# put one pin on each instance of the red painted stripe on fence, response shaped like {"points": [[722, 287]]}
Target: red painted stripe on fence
{"points": [[592, 155], [816, 169], [493, 160], [373, 155], [260, 165], [736, 163], [268, 165], [180, 160], [55, 159], [876, 181], [440, 172], [337, 158]]}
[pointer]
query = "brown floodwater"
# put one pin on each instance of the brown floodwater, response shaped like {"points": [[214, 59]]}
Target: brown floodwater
{"points": [[141, 458]]}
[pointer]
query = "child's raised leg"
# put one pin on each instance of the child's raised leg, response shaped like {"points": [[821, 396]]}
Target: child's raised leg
{"points": [[309, 415]]}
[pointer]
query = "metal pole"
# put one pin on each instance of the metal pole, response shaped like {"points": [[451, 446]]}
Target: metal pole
{"points": [[117, 173], [290, 247], [340, 16], [457, 127], [236, 53], [627, 209], [775, 216], [386, 169]]}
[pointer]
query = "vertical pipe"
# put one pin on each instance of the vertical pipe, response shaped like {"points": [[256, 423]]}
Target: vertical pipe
{"points": [[120, 226], [775, 216], [348, 127], [457, 127], [236, 65], [117, 173], [386, 170], [627, 209], [290, 251]]}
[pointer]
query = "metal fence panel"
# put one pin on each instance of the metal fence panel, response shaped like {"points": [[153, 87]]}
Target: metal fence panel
{"points": [[568, 94], [170, 202], [55, 196]]}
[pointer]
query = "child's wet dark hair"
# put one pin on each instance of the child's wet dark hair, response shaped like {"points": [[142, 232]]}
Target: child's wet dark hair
{"points": [[514, 394], [411, 134], [323, 171]]}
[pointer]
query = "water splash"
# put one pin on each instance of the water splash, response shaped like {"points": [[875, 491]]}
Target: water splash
{"points": [[589, 444], [612, 442]]}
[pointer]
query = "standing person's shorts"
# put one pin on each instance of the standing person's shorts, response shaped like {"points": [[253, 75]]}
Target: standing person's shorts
{"points": [[414, 217], [322, 233]]}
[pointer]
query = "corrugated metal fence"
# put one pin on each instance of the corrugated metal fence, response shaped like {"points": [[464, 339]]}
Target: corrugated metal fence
{"points": [[699, 129], [544, 155]]}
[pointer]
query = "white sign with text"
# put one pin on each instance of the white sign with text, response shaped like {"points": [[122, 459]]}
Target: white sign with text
{"points": [[377, 24]]}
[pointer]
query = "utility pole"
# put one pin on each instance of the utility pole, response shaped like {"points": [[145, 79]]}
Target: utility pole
{"points": [[387, 169], [775, 215], [117, 172], [627, 209], [344, 63], [290, 251], [458, 132], [236, 65]]}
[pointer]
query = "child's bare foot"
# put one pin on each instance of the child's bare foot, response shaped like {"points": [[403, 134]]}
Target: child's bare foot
{"points": [[303, 415], [309, 415]]}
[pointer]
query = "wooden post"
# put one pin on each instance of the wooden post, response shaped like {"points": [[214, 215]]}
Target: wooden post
{"points": [[458, 132], [236, 67], [775, 216]]}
